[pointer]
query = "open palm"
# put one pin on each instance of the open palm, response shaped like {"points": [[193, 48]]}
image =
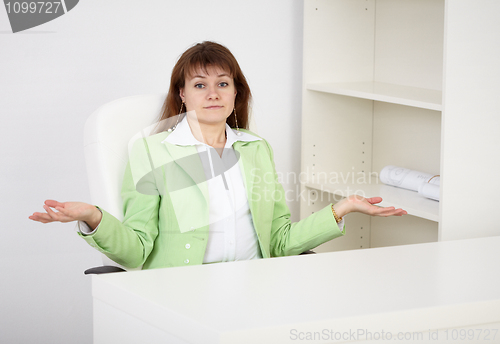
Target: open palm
{"points": [[65, 212], [367, 206]]}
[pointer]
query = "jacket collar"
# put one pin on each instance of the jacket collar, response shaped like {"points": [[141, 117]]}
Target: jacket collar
{"points": [[182, 144]]}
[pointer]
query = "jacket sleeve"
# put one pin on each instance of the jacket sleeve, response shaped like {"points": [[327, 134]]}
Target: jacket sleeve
{"points": [[129, 242], [289, 238]]}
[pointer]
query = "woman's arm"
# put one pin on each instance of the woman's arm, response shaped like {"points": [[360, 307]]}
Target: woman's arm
{"points": [[289, 238], [128, 242]]}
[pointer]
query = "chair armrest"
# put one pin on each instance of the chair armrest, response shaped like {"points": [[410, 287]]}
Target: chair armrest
{"points": [[109, 269], [103, 270]]}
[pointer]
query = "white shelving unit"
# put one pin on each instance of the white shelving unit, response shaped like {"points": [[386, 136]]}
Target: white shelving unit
{"points": [[384, 92], [373, 95]]}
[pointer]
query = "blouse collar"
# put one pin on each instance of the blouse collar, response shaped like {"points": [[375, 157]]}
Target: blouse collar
{"points": [[182, 136]]}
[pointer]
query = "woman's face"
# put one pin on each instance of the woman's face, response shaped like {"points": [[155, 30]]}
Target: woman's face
{"points": [[210, 95]]}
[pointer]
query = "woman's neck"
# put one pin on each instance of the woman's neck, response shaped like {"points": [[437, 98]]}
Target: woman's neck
{"points": [[212, 134]]}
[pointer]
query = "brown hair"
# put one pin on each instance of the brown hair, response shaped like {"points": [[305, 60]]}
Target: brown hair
{"points": [[202, 55]]}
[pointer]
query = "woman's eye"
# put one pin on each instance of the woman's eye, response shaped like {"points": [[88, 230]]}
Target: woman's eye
{"points": [[221, 84]]}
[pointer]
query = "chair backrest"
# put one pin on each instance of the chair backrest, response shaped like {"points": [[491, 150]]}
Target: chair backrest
{"points": [[107, 134]]}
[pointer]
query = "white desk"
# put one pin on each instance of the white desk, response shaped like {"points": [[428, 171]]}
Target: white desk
{"points": [[351, 295]]}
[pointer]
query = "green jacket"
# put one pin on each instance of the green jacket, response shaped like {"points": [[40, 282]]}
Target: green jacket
{"points": [[166, 208]]}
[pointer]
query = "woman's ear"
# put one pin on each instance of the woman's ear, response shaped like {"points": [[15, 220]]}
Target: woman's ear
{"points": [[181, 94]]}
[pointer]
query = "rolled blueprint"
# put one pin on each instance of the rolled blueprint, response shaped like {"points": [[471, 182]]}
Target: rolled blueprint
{"points": [[406, 178], [429, 190], [435, 180]]}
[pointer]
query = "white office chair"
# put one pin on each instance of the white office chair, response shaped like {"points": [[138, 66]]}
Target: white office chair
{"points": [[107, 134]]}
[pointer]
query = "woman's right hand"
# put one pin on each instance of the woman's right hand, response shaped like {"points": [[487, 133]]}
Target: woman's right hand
{"points": [[67, 212]]}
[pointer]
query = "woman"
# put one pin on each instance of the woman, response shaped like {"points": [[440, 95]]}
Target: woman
{"points": [[200, 192]]}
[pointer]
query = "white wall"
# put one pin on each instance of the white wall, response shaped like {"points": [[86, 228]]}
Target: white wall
{"points": [[54, 76]]}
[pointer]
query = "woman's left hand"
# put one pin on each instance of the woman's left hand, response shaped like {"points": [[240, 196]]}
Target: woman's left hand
{"points": [[355, 203]]}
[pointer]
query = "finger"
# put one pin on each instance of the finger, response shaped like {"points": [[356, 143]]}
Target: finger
{"points": [[59, 216], [52, 203], [38, 220], [51, 213], [62, 210], [41, 217], [400, 212], [382, 211], [391, 211], [374, 200], [67, 214]]}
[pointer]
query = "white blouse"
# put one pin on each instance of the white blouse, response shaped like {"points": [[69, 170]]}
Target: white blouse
{"points": [[231, 231]]}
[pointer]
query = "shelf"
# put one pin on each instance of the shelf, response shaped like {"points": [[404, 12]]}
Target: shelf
{"points": [[411, 201], [390, 93]]}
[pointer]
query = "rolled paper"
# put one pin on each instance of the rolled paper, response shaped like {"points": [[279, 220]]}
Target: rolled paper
{"points": [[435, 180], [406, 178], [429, 190]]}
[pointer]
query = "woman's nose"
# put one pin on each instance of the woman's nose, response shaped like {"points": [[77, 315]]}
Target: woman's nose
{"points": [[212, 93]]}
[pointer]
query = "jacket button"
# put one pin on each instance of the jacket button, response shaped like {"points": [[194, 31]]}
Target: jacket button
{"points": [[186, 261], [188, 246]]}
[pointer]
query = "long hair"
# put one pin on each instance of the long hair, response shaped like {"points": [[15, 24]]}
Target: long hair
{"points": [[200, 56]]}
